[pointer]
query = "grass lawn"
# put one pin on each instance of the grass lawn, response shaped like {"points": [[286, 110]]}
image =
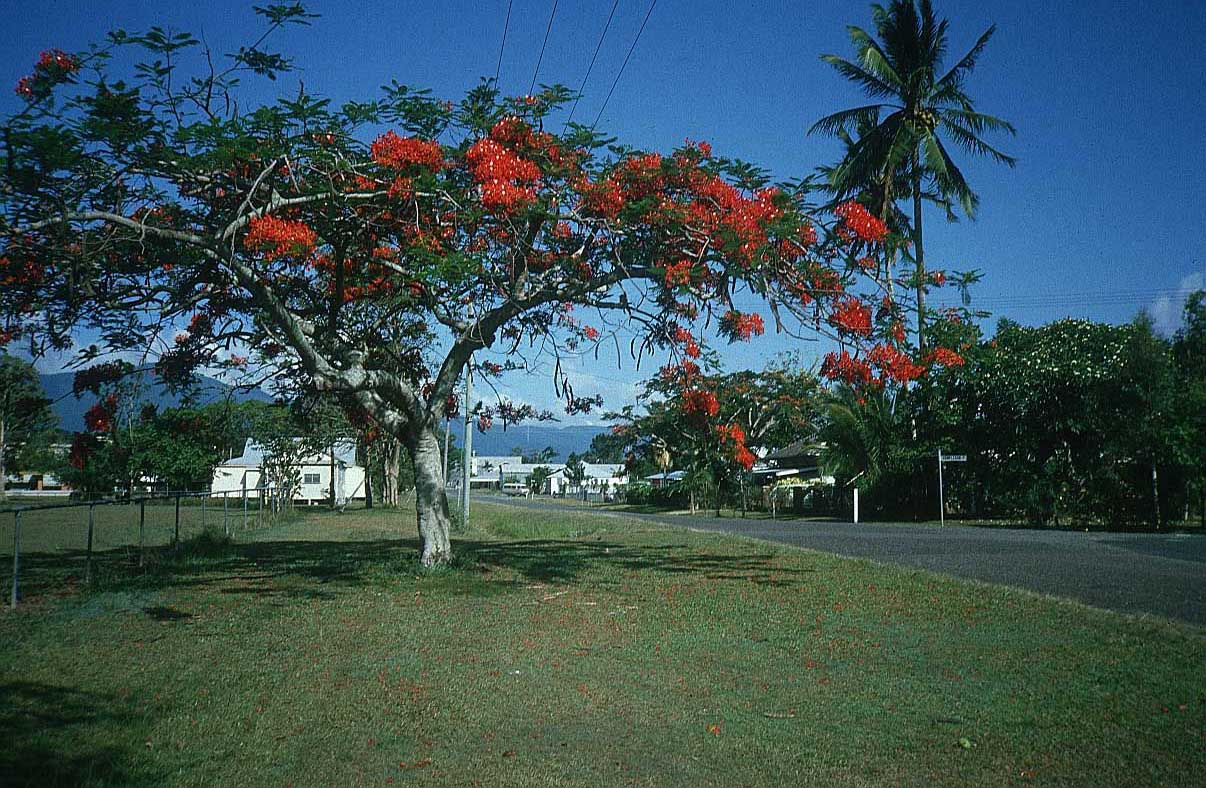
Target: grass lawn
{"points": [[569, 649]]}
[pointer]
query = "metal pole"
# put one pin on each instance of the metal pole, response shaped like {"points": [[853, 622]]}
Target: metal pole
{"points": [[203, 497], [856, 504], [941, 503], [176, 539], [244, 501], [142, 523], [16, 557], [468, 474], [88, 555], [226, 512]]}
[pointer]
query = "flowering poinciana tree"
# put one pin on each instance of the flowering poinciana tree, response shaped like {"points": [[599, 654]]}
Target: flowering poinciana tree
{"points": [[713, 426], [161, 211]]}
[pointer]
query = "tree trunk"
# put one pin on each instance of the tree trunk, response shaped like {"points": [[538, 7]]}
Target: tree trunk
{"points": [[919, 254], [368, 477], [391, 467], [431, 498]]}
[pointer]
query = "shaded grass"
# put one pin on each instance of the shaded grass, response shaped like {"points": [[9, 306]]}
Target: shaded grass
{"points": [[562, 648]]}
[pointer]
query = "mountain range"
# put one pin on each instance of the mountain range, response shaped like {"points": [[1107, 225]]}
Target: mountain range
{"points": [[528, 438], [71, 409]]}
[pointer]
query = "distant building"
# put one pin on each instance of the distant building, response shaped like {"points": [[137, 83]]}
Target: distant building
{"points": [[665, 479], [245, 471], [484, 470], [32, 483], [799, 461], [601, 479]]}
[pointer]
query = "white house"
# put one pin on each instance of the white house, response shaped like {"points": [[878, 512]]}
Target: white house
{"points": [[244, 472], [602, 479]]}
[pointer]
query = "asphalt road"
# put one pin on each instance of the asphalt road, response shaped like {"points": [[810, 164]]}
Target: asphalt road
{"points": [[1161, 574]]}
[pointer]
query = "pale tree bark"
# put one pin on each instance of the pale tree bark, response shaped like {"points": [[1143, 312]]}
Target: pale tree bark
{"points": [[431, 498], [391, 462]]}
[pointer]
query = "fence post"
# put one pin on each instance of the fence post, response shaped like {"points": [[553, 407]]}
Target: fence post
{"points": [[142, 532], [88, 555], [203, 497], [176, 540], [226, 512], [244, 502], [16, 557]]}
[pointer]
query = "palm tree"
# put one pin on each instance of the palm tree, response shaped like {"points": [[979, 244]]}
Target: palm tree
{"points": [[905, 133]]}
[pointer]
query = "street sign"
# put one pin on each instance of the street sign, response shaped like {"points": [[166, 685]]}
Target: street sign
{"points": [[954, 458]]}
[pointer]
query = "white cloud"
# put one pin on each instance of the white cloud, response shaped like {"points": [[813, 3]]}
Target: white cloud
{"points": [[1166, 311]]}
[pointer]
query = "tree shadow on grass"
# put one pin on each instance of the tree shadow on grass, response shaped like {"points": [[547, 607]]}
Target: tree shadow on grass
{"points": [[43, 728], [284, 571], [565, 561]]}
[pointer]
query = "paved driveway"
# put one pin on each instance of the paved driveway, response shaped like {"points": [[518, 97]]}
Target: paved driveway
{"points": [[1164, 574]]}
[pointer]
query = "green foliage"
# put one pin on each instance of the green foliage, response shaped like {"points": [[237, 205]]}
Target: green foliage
{"points": [[539, 475], [27, 424]]}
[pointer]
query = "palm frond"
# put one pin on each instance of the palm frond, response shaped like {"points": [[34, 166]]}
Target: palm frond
{"points": [[978, 122], [967, 63], [966, 139], [947, 175], [871, 84], [838, 122]]}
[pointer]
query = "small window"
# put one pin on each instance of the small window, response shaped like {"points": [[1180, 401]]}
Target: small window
{"points": [[312, 478]]}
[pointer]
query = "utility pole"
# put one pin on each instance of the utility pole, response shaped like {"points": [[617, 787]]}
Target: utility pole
{"points": [[468, 472], [941, 503]]}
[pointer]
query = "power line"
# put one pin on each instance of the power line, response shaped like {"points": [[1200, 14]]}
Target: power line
{"points": [[589, 68], [624, 64], [503, 45], [540, 59]]}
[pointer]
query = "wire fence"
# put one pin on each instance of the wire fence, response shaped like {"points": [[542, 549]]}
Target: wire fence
{"points": [[52, 545]]}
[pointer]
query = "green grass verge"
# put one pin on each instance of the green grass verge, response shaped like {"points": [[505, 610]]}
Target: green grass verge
{"points": [[563, 648]]}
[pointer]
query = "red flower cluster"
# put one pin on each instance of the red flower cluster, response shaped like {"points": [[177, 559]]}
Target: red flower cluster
{"points": [[590, 332], [732, 438], [845, 368], [505, 178], [894, 364], [400, 152], [603, 199], [13, 272], [699, 405], [861, 222], [277, 237], [678, 273], [732, 220], [99, 418], [852, 316], [742, 326], [53, 67], [944, 356], [81, 448]]}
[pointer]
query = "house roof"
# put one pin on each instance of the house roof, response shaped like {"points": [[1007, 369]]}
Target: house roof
{"points": [[253, 455], [800, 448]]}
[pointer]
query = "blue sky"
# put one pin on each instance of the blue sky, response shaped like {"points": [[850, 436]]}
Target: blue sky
{"points": [[1102, 216]]}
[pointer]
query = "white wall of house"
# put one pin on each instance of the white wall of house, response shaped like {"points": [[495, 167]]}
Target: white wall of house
{"points": [[243, 472]]}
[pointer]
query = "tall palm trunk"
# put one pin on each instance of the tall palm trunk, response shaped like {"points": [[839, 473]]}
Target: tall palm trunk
{"points": [[919, 252]]}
